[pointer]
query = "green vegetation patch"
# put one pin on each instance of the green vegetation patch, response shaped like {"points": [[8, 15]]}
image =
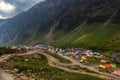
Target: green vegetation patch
{"points": [[61, 59], [93, 61], [100, 38], [36, 66], [4, 50], [77, 67]]}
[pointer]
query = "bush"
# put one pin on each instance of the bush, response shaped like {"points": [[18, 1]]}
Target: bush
{"points": [[4, 50]]}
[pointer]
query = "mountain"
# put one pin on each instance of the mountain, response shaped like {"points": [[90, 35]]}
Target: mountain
{"points": [[2, 21], [89, 23]]}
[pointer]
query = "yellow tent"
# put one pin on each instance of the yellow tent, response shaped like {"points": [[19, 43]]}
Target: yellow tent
{"points": [[102, 66], [81, 60]]}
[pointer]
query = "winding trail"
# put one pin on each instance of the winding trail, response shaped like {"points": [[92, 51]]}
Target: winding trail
{"points": [[55, 63], [75, 62]]}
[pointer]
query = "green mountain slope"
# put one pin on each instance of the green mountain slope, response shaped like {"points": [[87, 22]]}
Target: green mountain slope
{"points": [[106, 38], [101, 38], [63, 23]]}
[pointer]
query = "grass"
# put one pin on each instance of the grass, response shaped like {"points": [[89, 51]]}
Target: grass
{"points": [[77, 67], [118, 56], [93, 61], [4, 50], [103, 38], [100, 37], [61, 59], [75, 35], [40, 70], [93, 36]]}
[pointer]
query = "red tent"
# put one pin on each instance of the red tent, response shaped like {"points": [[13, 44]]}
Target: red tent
{"points": [[116, 72], [107, 66], [84, 57]]}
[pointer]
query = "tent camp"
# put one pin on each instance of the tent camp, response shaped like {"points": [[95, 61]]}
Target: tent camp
{"points": [[88, 52], [62, 52]]}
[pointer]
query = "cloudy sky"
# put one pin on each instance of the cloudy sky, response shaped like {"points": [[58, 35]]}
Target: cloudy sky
{"points": [[9, 8]]}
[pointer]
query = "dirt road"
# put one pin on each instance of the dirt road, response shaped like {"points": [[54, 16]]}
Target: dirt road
{"points": [[7, 76], [55, 63], [75, 62]]}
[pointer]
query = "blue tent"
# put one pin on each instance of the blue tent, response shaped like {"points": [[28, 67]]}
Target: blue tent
{"points": [[63, 52], [96, 53]]}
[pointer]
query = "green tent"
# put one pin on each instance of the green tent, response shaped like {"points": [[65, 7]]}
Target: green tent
{"points": [[113, 65]]}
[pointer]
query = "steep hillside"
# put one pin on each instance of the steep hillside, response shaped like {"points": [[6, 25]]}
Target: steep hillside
{"points": [[90, 23], [107, 38], [2, 21]]}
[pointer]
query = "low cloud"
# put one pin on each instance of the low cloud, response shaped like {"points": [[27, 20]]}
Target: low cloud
{"points": [[6, 7], [10, 8], [1, 17]]}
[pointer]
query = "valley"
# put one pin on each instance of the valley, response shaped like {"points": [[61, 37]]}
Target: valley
{"points": [[60, 40], [19, 63]]}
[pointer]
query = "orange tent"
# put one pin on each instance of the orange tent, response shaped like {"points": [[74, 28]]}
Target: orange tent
{"points": [[84, 57]]}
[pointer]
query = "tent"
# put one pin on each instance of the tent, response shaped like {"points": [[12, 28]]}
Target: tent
{"points": [[97, 53], [102, 66], [72, 50], [84, 57], [113, 65], [84, 54], [81, 61], [56, 50], [63, 52], [87, 52], [117, 72], [107, 66], [77, 54], [103, 61]]}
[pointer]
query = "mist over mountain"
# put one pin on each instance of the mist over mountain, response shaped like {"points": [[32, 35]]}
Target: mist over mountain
{"points": [[89, 23]]}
